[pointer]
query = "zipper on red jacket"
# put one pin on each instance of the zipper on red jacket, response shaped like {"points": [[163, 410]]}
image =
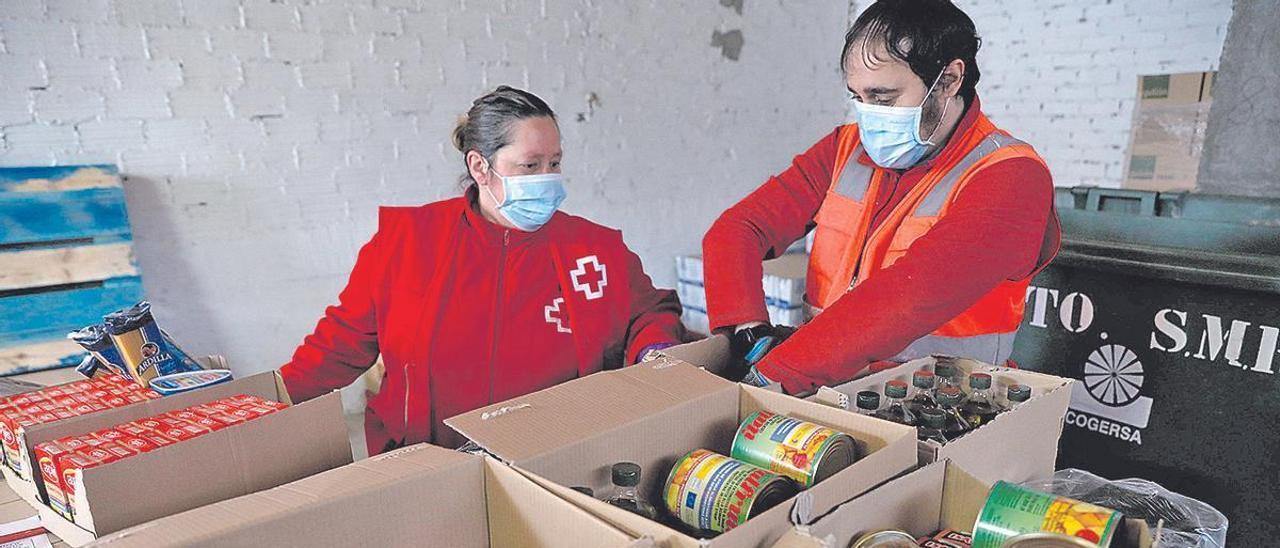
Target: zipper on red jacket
{"points": [[406, 399], [863, 255], [497, 310]]}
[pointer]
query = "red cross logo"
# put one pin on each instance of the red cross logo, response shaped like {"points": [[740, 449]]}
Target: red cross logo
{"points": [[552, 312], [588, 274]]}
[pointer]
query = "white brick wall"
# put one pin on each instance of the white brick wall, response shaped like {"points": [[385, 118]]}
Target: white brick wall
{"points": [[1062, 75], [260, 136]]}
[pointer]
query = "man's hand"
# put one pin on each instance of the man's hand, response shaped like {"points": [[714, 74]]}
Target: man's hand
{"points": [[749, 344]]}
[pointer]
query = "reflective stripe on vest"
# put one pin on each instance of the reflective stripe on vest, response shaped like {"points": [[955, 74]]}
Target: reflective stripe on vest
{"points": [[933, 202], [994, 348]]}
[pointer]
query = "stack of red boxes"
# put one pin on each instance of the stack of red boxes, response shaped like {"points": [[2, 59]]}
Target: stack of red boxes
{"points": [[60, 402], [63, 460]]}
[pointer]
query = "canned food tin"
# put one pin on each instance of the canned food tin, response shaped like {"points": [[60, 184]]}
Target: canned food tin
{"points": [[1012, 510], [1047, 540], [801, 450], [712, 492], [888, 538]]}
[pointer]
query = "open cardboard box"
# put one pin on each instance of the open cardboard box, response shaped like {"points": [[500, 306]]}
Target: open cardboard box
{"points": [[940, 496], [265, 452], [1018, 445], [23, 465], [654, 413], [418, 495]]}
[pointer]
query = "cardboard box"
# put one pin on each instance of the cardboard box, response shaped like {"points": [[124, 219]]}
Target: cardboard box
{"points": [[654, 413], [1169, 124], [418, 495], [1018, 445], [1026, 437], [940, 496], [268, 451]]}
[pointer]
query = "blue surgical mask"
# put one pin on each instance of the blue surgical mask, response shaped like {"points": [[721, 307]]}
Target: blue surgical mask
{"points": [[891, 135], [529, 201]]}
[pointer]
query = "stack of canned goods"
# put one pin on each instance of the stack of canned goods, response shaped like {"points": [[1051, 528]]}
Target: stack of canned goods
{"points": [[773, 457]]}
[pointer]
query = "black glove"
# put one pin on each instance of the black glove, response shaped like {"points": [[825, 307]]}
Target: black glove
{"points": [[750, 345]]}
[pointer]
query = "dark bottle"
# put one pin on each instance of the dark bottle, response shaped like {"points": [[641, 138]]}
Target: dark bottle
{"points": [[1018, 393], [979, 407], [868, 402], [954, 424], [896, 410], [930, 428], [924, 382], [626, 476], [947, 369]]}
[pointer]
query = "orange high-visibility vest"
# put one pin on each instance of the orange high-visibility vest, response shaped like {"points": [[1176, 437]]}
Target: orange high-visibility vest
{"points": [[845, 255]]}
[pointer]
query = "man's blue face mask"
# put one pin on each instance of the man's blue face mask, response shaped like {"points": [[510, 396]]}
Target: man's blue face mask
{"points": [[891, 135]]}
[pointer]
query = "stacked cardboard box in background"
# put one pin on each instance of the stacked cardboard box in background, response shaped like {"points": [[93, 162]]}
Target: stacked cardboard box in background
{"points": [[1169, 124], [783, 290]]}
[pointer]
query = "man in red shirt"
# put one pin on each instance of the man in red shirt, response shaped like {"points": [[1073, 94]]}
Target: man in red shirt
{"points": [[930, 221]]}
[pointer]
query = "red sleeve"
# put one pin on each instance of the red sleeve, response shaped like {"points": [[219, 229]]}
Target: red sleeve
{"points": [[760, 227], [655, 314], [345, 341], [998, 229]]}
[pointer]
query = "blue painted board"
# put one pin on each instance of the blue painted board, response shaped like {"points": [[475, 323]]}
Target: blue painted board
{"points": [[11, 177], [44, 216], [51, 315]]}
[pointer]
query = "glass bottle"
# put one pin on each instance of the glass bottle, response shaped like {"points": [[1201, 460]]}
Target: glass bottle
{"points": [[896, 410], [868, 402], [1018, 393], [954, 424], [924, 382], [931, 423], [979, 407], [947, 369], [626, 476]]}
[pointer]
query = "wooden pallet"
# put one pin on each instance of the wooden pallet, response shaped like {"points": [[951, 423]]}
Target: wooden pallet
{"points": [[66, 259]]}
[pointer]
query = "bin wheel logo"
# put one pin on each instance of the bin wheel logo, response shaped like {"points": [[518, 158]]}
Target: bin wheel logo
{"points": [[1113, 375]]}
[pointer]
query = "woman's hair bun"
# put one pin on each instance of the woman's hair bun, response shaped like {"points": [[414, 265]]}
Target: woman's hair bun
{"points": [[459, 134]]}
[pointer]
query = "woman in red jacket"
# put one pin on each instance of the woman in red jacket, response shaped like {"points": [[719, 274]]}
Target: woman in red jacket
{"points": [[484, 297]]}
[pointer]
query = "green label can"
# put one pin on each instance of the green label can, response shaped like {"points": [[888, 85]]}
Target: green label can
{"points": [[803, 451], [712, 492], [1011, 511]]}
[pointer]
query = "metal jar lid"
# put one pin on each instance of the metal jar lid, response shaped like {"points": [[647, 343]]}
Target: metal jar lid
{"points": [[888, 538]]}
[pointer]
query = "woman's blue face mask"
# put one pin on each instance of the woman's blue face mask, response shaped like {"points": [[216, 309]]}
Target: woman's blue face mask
{"points": [[891, 135], [529, 201]]}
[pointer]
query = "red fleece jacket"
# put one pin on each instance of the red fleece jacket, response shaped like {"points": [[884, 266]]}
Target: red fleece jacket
{"points": [[466, 313], [999, 227]]}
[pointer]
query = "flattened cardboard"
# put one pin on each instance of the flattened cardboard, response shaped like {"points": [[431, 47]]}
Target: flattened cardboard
{"points": [[264, 385], [415, 495], [654, 413], [1018, 445], [284, 446], [939, 496]]}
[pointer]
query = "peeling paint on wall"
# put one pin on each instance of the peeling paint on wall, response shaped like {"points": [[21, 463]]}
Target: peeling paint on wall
{"points": [[730, 43]]}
